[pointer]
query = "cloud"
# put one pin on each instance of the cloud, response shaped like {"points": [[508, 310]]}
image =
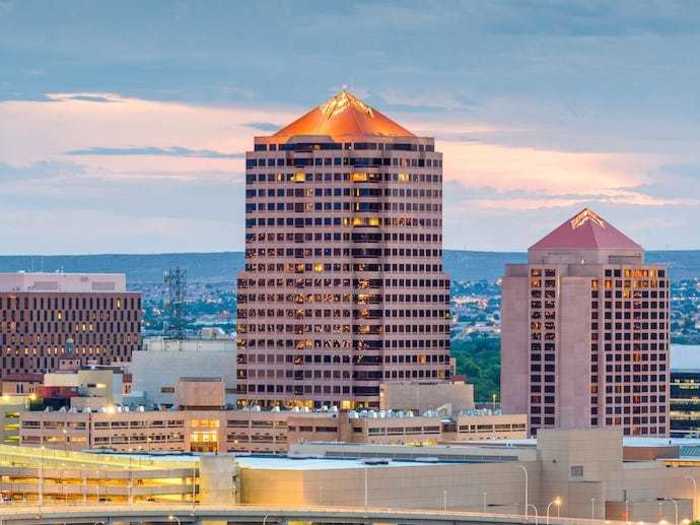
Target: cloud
{"points": [[84, 97], [263, 126], [92, 98], [500, 174], [151, 151]]}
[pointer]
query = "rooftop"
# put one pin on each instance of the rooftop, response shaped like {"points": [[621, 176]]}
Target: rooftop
{"points": [[586, 231], [59, 282], [343, 115]]}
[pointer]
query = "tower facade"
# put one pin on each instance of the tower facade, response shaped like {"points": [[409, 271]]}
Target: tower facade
{"points": [[343, 287], [585, 332]]}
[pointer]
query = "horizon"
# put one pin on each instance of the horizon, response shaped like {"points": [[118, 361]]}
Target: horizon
{"points": [[140, 134], [214, 252]]}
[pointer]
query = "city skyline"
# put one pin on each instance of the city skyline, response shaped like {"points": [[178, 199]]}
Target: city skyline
{"points": [[542, 111]]}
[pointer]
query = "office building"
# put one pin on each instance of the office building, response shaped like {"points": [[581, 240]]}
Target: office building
{"points": [[343, 286], [685, 392], [585, 332], [46, 317]]}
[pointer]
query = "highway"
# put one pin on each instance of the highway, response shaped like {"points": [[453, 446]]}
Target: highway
{"points": [[106, 514]]}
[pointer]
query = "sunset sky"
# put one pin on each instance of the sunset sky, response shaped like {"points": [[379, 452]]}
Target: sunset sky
{"points": [[123, 125]]}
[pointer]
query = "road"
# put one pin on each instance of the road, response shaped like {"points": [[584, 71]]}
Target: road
{"points": [[11, 514]]}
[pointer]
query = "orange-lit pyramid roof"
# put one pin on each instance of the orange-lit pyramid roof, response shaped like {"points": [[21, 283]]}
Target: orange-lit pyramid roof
{"points": [[586, 231], [343, 115]]}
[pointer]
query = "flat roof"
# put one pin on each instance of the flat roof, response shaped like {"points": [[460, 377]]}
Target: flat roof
{"points": [[284, 462], [59, 282]]}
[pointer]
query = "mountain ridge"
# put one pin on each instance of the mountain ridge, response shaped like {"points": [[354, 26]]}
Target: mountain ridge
{"points": [[462, 265]]}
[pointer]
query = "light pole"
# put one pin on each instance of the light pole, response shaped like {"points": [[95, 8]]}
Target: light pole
{"points": [[675, 505], [365, 489], [444, 501], [537, 514], [526, 489], [484, 495], [556, 501], [41, 477], [592, 508], [695, 492]]}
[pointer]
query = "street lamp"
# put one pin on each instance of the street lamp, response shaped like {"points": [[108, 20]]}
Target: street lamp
{"points": [[174, 518], [366, 495], [695, 492], [592, 508], [537, 514], [526, 489], [556, 501], [675, 506]]}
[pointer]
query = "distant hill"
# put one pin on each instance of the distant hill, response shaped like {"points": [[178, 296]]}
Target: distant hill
{"points": [[222, 267]]}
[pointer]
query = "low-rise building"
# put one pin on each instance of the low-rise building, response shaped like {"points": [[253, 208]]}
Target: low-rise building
{"points": [[202, 424], [455, 395], [155, 370], [589, 473]]}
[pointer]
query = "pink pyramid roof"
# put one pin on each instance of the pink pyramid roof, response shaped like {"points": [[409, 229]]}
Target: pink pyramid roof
{"points": [[586, 231]]}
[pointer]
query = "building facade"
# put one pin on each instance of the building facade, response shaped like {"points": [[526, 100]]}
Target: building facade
{"points": [[45, 317], [585, 332], [217, 430], [343, 286]]}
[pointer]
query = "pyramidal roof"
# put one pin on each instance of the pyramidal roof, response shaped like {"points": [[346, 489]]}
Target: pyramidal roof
{"points": [[343, 115], [586, 231]]}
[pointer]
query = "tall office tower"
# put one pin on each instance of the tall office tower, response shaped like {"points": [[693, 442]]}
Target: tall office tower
{"points": [[47, 317], [343, 287], [585, 332]]}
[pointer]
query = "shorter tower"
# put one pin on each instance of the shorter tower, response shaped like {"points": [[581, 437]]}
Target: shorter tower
{"points": [[585, 332], [50, 319]]}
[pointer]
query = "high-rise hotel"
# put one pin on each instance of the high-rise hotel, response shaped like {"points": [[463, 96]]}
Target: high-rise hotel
{"points": [[343, 287], [585, 332]]}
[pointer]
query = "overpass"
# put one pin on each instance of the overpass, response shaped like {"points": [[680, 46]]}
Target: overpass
{"points": [[178, 514]]}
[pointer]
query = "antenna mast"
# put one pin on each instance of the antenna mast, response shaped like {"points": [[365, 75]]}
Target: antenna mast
{"points": [[176, 281]]}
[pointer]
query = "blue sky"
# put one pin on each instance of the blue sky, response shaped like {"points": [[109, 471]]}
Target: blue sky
{"points": [[123, 124]]}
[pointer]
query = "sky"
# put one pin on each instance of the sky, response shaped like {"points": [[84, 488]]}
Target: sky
{"points": [[123, 125]]}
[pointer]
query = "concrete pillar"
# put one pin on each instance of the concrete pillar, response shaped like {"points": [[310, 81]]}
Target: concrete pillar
{"points": [[218, 476]]}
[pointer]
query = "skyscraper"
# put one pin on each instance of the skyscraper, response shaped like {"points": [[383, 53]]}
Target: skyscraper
{"points": [[585, 332], [343, 287]]}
